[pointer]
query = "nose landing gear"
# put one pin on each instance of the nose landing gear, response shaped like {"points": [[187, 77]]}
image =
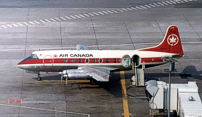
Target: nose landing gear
{"points": [[39, 78]]}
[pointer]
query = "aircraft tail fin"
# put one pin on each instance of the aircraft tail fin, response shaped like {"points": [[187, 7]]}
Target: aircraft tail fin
{"points": [[170, 44]]}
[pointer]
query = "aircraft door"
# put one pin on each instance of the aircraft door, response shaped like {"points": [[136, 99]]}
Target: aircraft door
{"points": [[136, 60], [126, 61], [48, 61]]}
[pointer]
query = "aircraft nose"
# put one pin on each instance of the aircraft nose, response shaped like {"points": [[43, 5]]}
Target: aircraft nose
{"points": [[19, 65], [22, 64]]}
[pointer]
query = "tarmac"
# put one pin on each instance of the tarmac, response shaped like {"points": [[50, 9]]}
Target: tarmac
{"points": [[24, 30]]}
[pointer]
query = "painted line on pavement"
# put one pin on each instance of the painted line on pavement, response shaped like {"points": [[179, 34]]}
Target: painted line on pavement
{"points": [[25, 23], [169, 2], [124, 95], [86, 15], [165, 3], [41, 109], [42, 21], [15, 25], [52, 19], [147, 6], [101, 13], [91, 46], [160, 4], [31, 22], [115, 11], [81, 15], [92, 14], [62, 18], [109, 11], [72, 17], [105, 12], [20, 24], [57, 19], [47, 20], [143, 7], [120, 10], [67, 17], [36, 22]]}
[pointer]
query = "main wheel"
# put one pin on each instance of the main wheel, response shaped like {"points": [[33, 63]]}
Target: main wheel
{"points": [[38, 78], [93, 82]]}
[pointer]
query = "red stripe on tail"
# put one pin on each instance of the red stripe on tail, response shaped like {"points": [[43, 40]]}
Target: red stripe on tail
{"points": [[171, 42]]}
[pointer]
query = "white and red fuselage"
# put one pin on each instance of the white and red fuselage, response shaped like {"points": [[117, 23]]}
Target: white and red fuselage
{"points": [[59, 60]]}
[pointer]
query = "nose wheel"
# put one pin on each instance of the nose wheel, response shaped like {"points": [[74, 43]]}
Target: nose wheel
{"points": [[39, 78]]}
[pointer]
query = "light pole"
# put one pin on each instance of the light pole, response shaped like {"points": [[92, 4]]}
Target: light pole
{"points": [[171, 69]]}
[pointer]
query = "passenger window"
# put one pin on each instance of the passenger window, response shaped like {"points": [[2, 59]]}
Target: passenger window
{"points": [[107, 60], [72, 60], [114, 60], [79, 60], [87, 60], [94, 60], [100, 60], [65, 60]]}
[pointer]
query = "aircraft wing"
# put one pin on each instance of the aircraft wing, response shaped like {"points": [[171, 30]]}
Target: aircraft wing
{"points": [[99, 74]]}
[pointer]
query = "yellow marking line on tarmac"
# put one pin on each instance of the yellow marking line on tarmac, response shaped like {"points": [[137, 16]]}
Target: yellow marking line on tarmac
{"points": [[124, 94]]}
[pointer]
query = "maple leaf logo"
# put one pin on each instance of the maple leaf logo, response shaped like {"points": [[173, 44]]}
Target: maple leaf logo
{"points": [[55, 55], [172, 39]]}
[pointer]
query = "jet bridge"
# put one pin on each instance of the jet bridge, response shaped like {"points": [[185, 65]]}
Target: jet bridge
{"points": [[185, 100]]}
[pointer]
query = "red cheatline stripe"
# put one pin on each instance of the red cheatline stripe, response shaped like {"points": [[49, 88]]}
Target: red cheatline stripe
{"points": [[153, 59], [70, 60], [83, 60]]}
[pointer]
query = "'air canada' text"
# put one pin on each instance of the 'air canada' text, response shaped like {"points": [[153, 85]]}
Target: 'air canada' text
{"points": [[76, 55]]}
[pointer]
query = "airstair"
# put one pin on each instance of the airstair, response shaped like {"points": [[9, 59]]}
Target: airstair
{"points": [[138, 79]]}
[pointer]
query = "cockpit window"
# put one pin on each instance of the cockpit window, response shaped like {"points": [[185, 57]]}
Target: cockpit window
{"points": [[34, 56]]}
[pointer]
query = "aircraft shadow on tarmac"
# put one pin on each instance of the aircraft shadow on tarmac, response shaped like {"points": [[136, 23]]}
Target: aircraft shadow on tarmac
{"points": [[113, 86], [189, 72]]}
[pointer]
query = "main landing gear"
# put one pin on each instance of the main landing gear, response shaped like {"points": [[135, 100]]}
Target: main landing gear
{"points": [[93, 81], [39, 78]]}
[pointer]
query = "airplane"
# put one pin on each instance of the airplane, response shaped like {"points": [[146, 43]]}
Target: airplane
{"points": [[96, 65]]}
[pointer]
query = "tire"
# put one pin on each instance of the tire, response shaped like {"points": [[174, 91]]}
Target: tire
{"points": [[93, 82], [39, 79]]}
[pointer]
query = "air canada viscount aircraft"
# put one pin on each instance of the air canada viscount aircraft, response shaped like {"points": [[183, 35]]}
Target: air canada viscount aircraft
{"points": [[97, 64]]}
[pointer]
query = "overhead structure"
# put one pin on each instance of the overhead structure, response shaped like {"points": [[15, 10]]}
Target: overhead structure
{"points": [[185, 102]]}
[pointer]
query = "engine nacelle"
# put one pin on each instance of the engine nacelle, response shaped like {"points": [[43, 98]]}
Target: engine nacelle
{"points": [[71, 71], [76, 75]]}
